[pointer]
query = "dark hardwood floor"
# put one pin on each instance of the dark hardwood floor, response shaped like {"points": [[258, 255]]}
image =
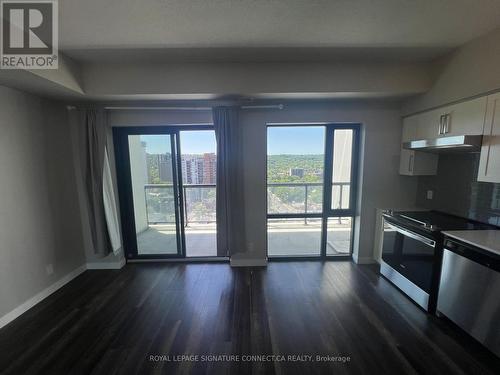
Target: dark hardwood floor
{"points": [[110, 322]]}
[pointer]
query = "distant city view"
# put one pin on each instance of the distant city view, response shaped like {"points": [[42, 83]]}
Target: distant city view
{"points": [[196, 168], [295, 174], [295, 183]]}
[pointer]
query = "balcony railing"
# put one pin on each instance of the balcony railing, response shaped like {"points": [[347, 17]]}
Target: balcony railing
{"points": [[200, 200], [199, 203], [304, 198]]}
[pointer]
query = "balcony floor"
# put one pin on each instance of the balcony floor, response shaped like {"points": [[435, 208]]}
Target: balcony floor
{"points": [[161, 239], [283, 240]]}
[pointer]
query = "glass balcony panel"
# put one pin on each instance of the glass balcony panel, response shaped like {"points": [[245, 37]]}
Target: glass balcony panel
{"points": [[294, 237], [338, 240]]}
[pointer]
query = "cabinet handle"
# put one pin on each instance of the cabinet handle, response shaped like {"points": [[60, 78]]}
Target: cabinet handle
{"points": [[446, 128], [410, 163], [440, 128]]}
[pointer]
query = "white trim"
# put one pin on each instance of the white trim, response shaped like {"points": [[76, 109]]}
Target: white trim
{"points": [[211, 259], [21, 309], [106, 265], [25, 306], [248, 262]]}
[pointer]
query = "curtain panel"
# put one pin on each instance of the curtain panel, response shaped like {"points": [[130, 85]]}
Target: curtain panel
{"points": [[230, 189], [95, 172]]}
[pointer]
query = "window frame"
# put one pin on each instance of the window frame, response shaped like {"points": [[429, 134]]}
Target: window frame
{"points": [[327, 211]]}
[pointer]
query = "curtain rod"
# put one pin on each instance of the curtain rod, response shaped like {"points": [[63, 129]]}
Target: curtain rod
{"points": [[271, 106], [276, 106]]}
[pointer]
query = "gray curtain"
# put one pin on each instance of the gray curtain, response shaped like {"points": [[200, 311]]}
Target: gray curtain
{"points": [[92, 125], [229, 195]]}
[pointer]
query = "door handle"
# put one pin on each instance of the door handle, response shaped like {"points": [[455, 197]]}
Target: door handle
{"points": [[415, 236]]}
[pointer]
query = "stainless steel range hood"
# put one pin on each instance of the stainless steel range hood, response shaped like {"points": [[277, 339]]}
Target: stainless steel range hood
{"points": [[458, 143]]}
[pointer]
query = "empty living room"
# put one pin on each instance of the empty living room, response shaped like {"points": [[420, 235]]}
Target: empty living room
{"points": [[249, 187]]}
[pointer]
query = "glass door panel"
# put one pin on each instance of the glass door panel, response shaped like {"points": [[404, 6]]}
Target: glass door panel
{"points": [[342, 168], [311, 187], [295, 169], [198, 167], [154, 193], [339, 234], [294, 237]]}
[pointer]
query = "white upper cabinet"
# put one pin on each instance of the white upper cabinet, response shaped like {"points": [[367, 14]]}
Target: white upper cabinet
{"points": [[429, 124], [409, 128], [489, 164], [417, 163], [465, 118]]}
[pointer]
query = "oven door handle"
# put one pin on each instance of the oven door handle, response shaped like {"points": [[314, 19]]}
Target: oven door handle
{"points": [[415, 236]]}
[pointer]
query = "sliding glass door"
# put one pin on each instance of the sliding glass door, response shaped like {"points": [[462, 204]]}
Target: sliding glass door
{"points": [[198, 168], [167, 197], [311, 185], [295, 175], [148, 182]]}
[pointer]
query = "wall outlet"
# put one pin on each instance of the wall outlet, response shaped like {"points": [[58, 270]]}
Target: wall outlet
{"points": [[49, 268], [430, 194]]}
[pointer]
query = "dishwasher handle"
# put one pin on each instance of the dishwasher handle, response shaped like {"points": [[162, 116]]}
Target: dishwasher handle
{"points": [[477, 255]]}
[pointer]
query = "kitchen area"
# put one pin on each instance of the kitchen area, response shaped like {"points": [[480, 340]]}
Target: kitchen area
{"points": [[444, 252]]}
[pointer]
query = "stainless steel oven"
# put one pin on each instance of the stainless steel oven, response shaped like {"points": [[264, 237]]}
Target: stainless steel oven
{"points": [[408, 261], [412, 251]]}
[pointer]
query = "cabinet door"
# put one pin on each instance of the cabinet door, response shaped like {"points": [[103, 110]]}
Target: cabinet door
{"points": [[406, 162], [428, 124], [466, 117], [489, 164], [409, 129], [417, 163]]}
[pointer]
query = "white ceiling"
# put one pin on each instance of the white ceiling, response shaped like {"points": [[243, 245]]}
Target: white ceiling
{"points": [[419, 28]]}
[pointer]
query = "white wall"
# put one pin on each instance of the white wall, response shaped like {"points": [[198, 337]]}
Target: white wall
{"points": [[381, 185], [39, 214], [471, 70], [214, 80]]}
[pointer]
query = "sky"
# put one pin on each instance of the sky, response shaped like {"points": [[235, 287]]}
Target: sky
{"points": [[280, 140], [295, 140], [192, 142]]}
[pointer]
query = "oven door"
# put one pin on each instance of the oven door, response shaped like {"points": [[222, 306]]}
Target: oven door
{"points": [[410, 254]]}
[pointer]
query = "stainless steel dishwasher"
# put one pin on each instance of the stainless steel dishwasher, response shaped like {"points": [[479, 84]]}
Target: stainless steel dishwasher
{"points": [[469, 291]]}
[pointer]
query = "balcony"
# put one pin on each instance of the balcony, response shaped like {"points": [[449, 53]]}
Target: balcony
{"points": [[285, 236], [199, 220], [302, 236]]}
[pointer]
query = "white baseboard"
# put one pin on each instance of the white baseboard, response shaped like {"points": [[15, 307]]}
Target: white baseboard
{"points": [[106, 265], [248, 262], [21, 309], [182, 260]]}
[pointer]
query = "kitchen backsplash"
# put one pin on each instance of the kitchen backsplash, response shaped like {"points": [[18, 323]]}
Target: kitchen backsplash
{"points": [[456, 190]]}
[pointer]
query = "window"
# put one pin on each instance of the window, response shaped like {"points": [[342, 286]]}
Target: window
{"points": [[342, 168], [311, 175]]}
